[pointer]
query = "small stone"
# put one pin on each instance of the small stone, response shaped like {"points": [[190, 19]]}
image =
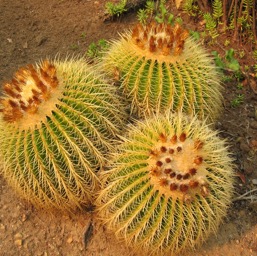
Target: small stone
{"points": [[2, 227], [254, 181], [24, 217], [70, 240], [18, 236], [18, 242], [25, 45]]}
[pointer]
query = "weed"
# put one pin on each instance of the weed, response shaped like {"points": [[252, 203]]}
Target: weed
{"points": [[95, 50], [116, 9], [228, 63], [163, 14], [227, 42], [83, 35], [238, 100], [142, 16], [74, 47], [194, 34]]}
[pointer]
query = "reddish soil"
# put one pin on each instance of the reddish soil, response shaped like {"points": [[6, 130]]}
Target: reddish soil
{"points": [[34, 29]]}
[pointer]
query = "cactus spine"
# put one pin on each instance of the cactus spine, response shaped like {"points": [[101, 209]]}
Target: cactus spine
{"points": [[161, 68], [168, 187], [57, 120]]}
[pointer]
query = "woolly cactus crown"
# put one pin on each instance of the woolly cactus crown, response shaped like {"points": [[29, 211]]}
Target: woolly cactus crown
{"points": [[168, 187], [161, 68], [57, 120]]}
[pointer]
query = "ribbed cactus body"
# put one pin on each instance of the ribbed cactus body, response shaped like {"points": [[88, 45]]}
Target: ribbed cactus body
{"points": [[168, 187], [161, 69], [58, 119]]}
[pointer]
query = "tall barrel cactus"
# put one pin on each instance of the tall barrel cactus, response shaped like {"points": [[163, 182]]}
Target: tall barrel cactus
{"points": [[161, 68], [57, 119], [168, 187]]}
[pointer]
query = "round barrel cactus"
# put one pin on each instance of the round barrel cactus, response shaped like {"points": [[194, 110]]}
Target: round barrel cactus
{"points": [[169, 185], [57, 120], [161, 68]]}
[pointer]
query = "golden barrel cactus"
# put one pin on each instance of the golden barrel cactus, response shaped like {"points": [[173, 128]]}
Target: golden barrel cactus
{"points": [[161, 68], [168, 187], [57, 120]]}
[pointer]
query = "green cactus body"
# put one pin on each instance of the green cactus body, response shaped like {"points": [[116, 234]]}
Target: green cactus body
{"points": [[57, 120], [161, 69], [168, 187]]}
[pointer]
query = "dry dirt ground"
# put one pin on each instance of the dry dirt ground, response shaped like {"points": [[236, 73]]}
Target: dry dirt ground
{"points": [[34, 29]]}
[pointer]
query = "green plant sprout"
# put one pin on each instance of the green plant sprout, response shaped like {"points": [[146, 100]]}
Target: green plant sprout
{"points": [[191, 7], [211, 25], [238, 100], [227, 63], [163, 14], [83, 35], [195, 34], [95, 50], [142, 16], [116, 9], [227, 42]]}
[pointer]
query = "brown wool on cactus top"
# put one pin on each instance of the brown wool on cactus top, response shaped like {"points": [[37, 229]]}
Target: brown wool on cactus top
{"points": [[173, 161], [28, 90], [160, 38]]}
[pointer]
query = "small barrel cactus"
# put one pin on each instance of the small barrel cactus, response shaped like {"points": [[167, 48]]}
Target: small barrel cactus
{"points": [[161, 68], [57, 119], [168, 187]]}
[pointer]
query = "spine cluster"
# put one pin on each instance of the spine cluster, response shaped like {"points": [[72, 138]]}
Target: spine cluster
{"points": [[27, 90], [160, 38], [168, 172]]}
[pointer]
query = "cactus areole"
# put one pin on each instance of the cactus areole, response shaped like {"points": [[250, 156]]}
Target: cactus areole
{"points": [[159, 41], [177, 167], [31, 96]]}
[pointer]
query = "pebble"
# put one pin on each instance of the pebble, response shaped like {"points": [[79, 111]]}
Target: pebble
{"points": [[70, 240], [254, 181], [2, 227], [17, 236], [18, 242], [18, 239], [24, 217]]}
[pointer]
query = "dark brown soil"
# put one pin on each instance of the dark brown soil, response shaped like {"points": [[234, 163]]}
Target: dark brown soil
{"points": [[31, 30]]}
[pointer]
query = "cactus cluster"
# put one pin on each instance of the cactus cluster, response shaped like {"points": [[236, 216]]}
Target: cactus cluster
{"points": [[161, 68], [169, 185], [57, 121]]}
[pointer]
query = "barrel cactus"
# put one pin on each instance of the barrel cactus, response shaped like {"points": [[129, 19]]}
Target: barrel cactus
{"points": [[161, 68], [57, 120], [168, 187]]}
